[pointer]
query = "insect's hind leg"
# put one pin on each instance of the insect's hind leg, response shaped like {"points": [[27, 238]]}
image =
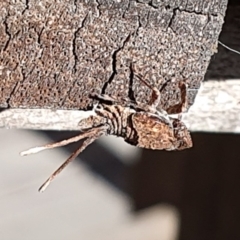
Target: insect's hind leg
{"points": [[121, 101], [104, 97], [151, 106]]}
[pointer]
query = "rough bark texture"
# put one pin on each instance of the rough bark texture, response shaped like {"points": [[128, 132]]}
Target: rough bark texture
{"points": [[54, 54]]}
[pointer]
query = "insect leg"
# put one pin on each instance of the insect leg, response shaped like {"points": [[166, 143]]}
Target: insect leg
{"points": [[104, 97], [184, 97], [121, 101], [88, 141], [156, 93], [183, 105], [156, 96]]}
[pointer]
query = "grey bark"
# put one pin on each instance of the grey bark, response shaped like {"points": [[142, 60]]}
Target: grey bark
{"points": [[55, 54]]}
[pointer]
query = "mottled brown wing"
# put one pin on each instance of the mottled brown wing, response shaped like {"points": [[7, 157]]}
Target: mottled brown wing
{"points": [[153, 132]]}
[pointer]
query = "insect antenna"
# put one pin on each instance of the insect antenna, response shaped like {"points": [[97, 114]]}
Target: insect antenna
{"points": [[71, 158], [90, 136], [58, 144]]}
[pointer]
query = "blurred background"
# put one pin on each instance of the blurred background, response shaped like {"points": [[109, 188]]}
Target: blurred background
{"points": [[116, 191], [93, 198]]}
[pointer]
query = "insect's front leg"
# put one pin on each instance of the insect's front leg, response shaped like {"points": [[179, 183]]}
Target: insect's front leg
{"points": [[182, 106], [155, 97], [92, 121]]}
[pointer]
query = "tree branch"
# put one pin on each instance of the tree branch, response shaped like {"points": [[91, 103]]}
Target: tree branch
{"points": [[53, 55], [216, 109]]}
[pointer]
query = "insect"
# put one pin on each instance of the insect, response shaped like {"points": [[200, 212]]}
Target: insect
{"points": [[138, 124]]}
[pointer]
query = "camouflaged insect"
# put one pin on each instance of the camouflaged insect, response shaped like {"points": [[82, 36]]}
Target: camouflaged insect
{"points": [[142, 125]]}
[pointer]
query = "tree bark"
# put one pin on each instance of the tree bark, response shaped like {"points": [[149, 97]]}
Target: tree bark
{"points": [[55, 54]]}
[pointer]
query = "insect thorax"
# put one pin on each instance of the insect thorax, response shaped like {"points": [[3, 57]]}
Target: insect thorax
{"points": [[118, 120], [139, 128]]}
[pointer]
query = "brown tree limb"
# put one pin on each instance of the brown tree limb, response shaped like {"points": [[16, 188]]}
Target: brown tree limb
{"points": [[216, 109], [54, 54]]}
